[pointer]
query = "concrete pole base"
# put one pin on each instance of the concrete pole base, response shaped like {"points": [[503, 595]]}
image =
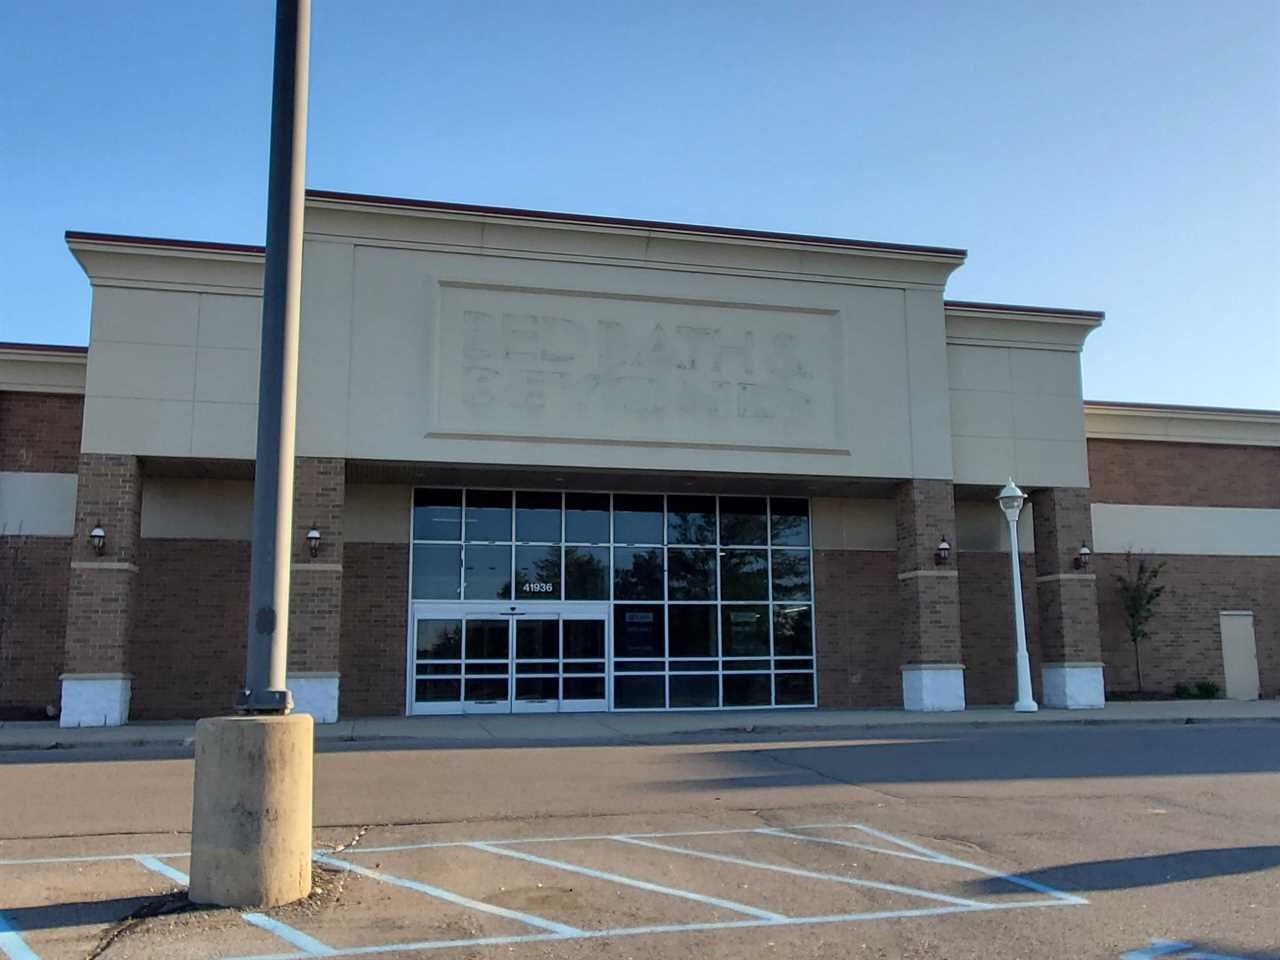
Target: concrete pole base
{"points": [[251, 820]]}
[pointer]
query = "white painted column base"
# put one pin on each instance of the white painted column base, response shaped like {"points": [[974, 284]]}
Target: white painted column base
{"points": [[95, 699], [316, 694], [933, 686], [1073, 686]]}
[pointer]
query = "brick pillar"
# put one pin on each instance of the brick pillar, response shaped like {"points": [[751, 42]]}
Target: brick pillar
{"points": [[1070, 648], [315, 602], [100, 607], [928, 598]]}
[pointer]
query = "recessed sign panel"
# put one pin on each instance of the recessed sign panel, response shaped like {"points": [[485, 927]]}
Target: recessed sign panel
{"points": [[518, 363]]}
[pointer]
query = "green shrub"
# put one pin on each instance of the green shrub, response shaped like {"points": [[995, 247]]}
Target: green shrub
{"points": [[1206, 690], [1183, 691]]}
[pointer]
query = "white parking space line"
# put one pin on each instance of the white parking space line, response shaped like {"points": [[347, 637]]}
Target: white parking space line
{"points": [[311, 946], [632, 882], [455, 898], [808, 874], [87, 858], [774, 832], [956, 862], [11, 943]]}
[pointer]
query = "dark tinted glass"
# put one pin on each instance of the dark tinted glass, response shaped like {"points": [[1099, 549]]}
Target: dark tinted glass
{"points": [[742, 520], [637, 573], [790, 520], [691, 519], [744, 574], [696, 691], [691, 575], [488, 572], [746, 690], [583, 640], [439, 640], [792, 631], [692, 630], [584, 688], [637, 631], [437, 570], [488, 515], [637, 519], [538, 517], [744, 631], [487, 688], [487, 640], [586, 517], [437, 514], [793, 689], [537, 573], [537, 640], [632, 693], [434, 691], [693, 666], [586, 573], [538, 688], [791, 579]]}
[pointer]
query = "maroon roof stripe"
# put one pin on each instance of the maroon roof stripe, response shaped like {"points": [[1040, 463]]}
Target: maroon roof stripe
{"points": [[44, 347], [517, 212], [1175, 407], [165, 242], [1018, 308]]}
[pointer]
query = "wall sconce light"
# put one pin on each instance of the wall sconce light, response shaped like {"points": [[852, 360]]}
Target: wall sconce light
{"points": [[1081, 561], [943, 552], [313, 542], [98, 539]]}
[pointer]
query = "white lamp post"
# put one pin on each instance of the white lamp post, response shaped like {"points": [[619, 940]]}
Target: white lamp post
{"points": [[1011, 500]]}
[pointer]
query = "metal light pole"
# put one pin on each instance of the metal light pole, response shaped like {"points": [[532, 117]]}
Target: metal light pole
{"points": [[264, 686], [1011, 500], [251, 817]]}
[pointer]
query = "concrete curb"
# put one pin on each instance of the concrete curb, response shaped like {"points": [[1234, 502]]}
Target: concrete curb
{"points": [[349, 732]]}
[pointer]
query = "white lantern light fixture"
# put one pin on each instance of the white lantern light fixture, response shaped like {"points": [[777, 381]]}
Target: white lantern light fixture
{"points": [[98, 539], [943, 552], [1081, 561], [313, 542]]}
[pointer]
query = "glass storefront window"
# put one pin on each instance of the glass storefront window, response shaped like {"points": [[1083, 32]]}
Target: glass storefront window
{"points": [[437, 515], [488, 515], [711, 597]]}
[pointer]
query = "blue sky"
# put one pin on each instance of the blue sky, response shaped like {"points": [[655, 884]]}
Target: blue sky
{"points": [[1119, 156]]}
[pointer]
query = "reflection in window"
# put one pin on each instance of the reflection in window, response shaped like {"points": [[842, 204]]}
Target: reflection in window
{"points": [[637, 519], [637, 631], [742, 520], [586, 573], [692, 630], [439, 640], [637, 573], [744, 574], [436, 571], [691, 574], [790, 521], [744, 630], [538, 517], [488, 572], [691, 519], [488, 515], [537, 573], [586, 518], [792, 630], [437, 515], [791, 575]]}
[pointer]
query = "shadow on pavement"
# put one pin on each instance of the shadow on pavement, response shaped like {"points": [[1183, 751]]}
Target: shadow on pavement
{"points": [[1124, 873], [95, 912]]}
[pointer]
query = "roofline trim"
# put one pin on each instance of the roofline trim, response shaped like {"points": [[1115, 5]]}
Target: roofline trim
{"points": [[1176, 409], [68, 348], [974, 305], [85, 236], [731, 233]]}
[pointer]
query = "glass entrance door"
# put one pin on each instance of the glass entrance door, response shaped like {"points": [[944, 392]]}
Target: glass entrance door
{"points": [[521, 659]]}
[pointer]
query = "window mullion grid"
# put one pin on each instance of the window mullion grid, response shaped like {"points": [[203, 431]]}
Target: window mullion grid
{"points": [[666, 619], [719, 616], [768, 560]]}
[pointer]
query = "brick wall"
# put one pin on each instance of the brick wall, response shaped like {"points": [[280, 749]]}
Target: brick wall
{"points": [[1184, 474], [928, 599], [986, 627], [187, 650], [375, 587], [315, 607], [857, 628], [1185, 643], [33, 623], [40, 432]]}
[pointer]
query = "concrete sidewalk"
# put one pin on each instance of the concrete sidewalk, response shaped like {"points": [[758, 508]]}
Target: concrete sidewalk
{"points": [[619, 728]]}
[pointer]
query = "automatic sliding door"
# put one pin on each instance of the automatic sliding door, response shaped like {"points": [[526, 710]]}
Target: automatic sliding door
{"points": [[585, 661], [486, 663]]}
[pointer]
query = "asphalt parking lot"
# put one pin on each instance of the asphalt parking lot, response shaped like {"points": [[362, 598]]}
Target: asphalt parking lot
{"points": [[1089, 842]]}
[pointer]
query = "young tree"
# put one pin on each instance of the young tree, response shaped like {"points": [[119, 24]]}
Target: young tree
{"points": [[1139, 591]]}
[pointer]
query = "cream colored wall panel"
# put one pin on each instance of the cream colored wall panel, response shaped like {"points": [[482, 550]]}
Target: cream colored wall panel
{"points": [[144, 316], [377, 513], [988, 460], [160, 428], [197, 509], [1213, 531], [37, 504], [325, 221], [570, 242], [876, 408], [982, 527], [324, 349], [226, 376], [981, 413], [979, 368], [229, 321], [1055, 372], [225, 430], [1047, 417], [142, 370], [1050, 463], [54, 372], [928, 383], [853, 523]]}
